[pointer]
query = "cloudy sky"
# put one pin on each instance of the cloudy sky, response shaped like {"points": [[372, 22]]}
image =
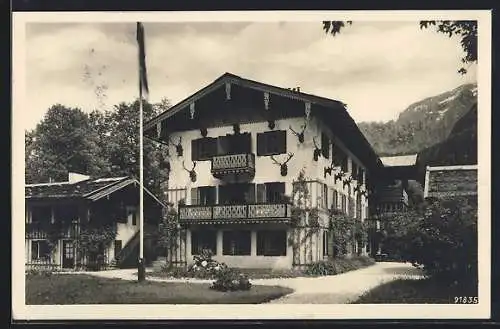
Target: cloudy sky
{"points": [[377, 68]]}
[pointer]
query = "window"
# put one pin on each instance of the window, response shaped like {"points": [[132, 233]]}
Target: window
{"points": [[41, 214], [344, 204], [118, 247], [233, 144], [325, 146], [40, 250], [324, 200], [271, 142], [354, 171], [203, 148], [132, 216], [325, 243], [239, 193], [335, 202], [203, 240], [361, 176], [203, 196], [236, 243], [270, 192], [271, 243], [345, 160]]}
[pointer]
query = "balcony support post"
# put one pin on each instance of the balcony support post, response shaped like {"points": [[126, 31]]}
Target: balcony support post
{"points": [[253, 243]]}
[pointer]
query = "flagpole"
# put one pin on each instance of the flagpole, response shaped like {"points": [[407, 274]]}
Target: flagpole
{"points": [[141, 273]]}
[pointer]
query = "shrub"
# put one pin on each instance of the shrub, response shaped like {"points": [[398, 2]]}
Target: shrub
{"points": [[338, 265], [230, 279], [441, 236], [203, 267]]}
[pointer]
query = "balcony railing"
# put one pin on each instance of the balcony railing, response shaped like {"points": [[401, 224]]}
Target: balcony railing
{"points": [[46, 230], [228, 212], [223, 165]]}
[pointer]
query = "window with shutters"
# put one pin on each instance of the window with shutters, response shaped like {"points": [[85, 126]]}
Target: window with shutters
{"points": [[233, 144], [240, 193], [271, 142], [271, 243], [325, 146], [272, 192], [361, 176], [236, 243], [203, 148], [203, 196], [203, 239], [345, 160]]}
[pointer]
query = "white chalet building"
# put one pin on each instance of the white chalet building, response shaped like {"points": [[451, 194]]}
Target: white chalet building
{"points": [[235, 149]]}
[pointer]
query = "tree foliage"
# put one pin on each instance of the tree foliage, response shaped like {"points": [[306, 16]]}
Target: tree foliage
{"points": [[465, 30], [168, 232], [440, 235], [100, 143]]}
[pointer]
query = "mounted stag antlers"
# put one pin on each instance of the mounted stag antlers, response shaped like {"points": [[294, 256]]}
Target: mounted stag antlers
{"points": [[347, 181], [300, 135], [317, 150], [283, 166], [192, 173], [178, 146], [338, 176]]}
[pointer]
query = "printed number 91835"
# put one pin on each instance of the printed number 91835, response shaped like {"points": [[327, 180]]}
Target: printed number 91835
{"points": [[466, 300]]}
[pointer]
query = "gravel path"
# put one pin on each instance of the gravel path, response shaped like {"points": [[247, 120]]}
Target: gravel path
{"points": [[336, 289]]}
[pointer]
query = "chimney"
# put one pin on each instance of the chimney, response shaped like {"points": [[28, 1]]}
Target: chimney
{"points": [[298, 89], [75, 177]]}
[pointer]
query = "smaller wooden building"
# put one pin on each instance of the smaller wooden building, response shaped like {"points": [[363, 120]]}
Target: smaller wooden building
{"points": [[58, 215], [451, 181]]}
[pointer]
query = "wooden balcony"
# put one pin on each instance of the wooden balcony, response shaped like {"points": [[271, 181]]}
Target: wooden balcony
{"points": [[225, 166], [48, 230], [245, 213]]}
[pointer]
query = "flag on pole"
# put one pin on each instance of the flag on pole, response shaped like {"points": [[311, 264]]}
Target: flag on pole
{"points": [[143, 74], [143, 89]]}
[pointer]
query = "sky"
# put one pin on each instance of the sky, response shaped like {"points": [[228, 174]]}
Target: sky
{"points": [[376, 68]]}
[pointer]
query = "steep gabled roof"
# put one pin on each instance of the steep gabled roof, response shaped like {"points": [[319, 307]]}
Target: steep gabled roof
{"points": [[450, 181], [90, 189], [338, 113], [237, 80]]}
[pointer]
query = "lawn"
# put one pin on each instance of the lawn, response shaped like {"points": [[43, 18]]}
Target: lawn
{"points": [[424, 291], [60, 289]]}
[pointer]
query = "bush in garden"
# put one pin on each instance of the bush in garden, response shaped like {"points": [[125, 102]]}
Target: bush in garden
{"points": [[440, 236], [230, 279], [203, 267], [338, 265]]}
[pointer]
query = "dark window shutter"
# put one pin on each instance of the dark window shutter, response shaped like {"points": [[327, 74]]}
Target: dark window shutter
{"points": [[211, 195], [281, 140], [261, 144], [261, 193], [194, 196], [246, 142], [250, 196], [325, 146], [223, 146], [194, 149]]}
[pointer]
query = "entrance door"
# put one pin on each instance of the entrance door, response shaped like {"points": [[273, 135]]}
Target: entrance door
{"points": [[68, 255]]}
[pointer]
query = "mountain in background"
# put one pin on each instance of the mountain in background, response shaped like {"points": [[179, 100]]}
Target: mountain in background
{"points": [[460, 148], [423, 124]]}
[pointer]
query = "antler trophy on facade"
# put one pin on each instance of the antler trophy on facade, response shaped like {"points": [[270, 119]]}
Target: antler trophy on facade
{"points": [[283, 166], [192, 173]]}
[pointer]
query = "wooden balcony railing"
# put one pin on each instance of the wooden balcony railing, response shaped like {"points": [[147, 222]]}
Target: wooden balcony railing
{"points": [[43, 230], [244, 211], [233, 164]]}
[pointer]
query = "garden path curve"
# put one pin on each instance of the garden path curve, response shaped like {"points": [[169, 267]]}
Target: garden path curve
{"points": [[336, 289]]}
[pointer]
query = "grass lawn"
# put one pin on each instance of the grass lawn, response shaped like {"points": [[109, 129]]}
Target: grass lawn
{"points": [[424, 291], [85, 289]]}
